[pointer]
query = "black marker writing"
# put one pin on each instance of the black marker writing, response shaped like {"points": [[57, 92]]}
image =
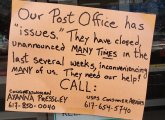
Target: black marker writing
{"points": [[25, 14], [58, 19]]}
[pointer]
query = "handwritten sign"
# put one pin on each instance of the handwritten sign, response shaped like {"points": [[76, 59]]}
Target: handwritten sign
{"points": [[70, 59]]}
